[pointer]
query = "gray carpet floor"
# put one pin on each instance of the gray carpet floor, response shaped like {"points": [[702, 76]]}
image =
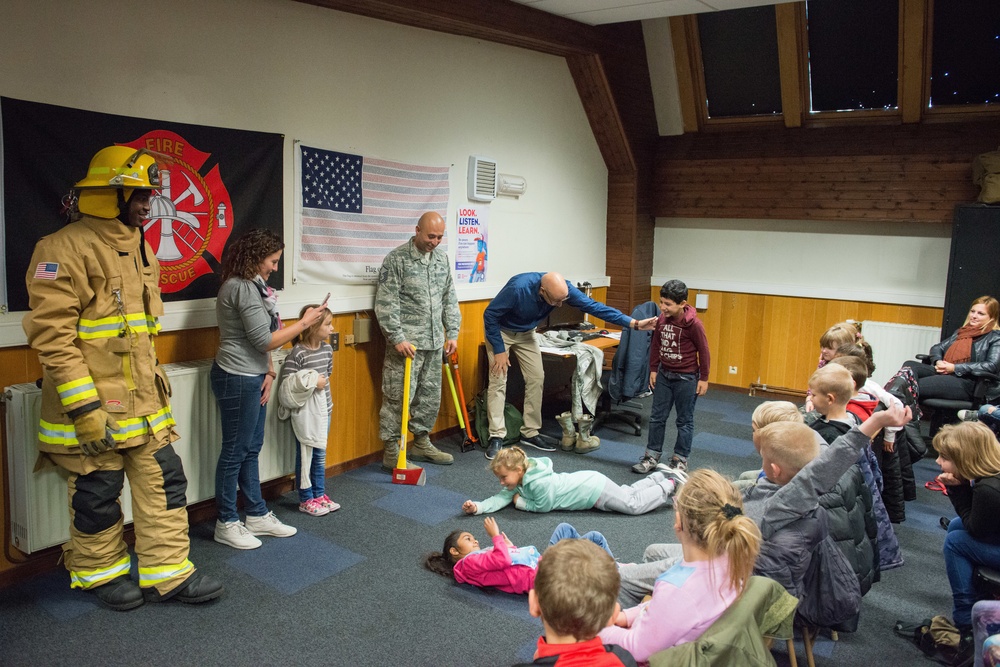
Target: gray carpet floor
{"points": [[349, 588]]}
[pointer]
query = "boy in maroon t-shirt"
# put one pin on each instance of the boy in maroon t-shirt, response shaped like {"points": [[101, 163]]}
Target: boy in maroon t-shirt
{"points": [[678, 375]]}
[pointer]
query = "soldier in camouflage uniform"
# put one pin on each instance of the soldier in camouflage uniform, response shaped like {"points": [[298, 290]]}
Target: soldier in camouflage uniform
{"points": [[417, 308]]}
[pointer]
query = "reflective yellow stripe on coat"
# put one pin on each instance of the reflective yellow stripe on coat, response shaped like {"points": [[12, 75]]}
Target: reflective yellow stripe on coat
{"points": [[110, 327], [75, 391], [65, 434]]}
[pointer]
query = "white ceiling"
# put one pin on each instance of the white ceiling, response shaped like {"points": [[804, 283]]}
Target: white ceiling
{"points": [[597, 12]]}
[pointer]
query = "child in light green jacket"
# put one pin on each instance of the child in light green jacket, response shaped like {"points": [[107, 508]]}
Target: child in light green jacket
{"points": [[531, 485]]}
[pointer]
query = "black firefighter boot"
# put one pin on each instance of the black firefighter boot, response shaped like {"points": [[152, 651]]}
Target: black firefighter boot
{"points": [[196, 589], [120, 594]]}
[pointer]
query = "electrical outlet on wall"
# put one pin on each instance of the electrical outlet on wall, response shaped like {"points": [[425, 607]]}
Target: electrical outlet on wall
{"points": [[733, 370], [349, 339]]}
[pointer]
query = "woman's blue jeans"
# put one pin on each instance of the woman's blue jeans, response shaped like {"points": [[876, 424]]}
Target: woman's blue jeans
{"points": [[317, 473], [961, 554], [242, 439], [564, 531]]}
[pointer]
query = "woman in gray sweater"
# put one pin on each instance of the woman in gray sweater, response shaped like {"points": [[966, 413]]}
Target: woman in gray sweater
{"points": [[242, 376]]}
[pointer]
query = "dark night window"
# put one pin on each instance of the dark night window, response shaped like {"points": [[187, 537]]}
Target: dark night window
{"points": [[853, 54], [739, 51], [965, 61]]}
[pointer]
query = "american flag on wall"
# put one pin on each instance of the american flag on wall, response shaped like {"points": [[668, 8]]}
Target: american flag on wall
{"points": [[350, 211]]}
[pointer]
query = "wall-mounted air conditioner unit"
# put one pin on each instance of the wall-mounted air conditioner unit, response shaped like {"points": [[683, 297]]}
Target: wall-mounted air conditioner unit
{"points": [[482, 178]]}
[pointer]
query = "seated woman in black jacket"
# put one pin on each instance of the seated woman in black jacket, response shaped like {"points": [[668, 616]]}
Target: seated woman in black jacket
{"points": [[969, 352], [970, 469]]}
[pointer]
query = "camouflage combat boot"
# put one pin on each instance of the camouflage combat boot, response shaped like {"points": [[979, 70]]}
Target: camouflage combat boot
{"points": [[586, 442], [391, 456], [568, 442], [422, 450]]}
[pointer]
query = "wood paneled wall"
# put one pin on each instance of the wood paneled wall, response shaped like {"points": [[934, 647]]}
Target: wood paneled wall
{"points": [[912, 173], [774, 340]]}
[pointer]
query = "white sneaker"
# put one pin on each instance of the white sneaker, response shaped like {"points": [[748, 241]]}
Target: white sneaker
{"points": [[678, 476], [968, 415], [235, 534], [269, 525]]}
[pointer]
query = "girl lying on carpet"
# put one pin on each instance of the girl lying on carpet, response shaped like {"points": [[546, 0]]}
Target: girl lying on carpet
{"points": [[531, 485], [504, 566]]}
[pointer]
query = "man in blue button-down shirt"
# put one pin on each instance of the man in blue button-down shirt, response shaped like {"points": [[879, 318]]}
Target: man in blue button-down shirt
{"points": [[510, 322]]}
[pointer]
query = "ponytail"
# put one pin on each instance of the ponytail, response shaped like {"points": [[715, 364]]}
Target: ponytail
{"points": [[437, 563], [739, 538], [441, 562], [869, 355], [711, 511]]}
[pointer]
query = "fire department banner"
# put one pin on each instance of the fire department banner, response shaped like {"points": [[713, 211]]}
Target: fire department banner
{"points": [[217, 184]]}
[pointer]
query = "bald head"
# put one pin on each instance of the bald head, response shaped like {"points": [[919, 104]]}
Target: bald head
{"points": [[430, 231], [554, 289]]}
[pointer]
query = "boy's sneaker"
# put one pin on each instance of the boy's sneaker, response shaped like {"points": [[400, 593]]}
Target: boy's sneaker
{"points": [[678, 476], [313, 507], [269, 525], [968, 415], [325, 501], [646, 465], [234, 534], [677, 463], [493, 447], [538, 442]]}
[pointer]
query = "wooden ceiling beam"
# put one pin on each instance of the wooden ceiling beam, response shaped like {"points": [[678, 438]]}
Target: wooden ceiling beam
{"points": [[500, 22], [598, 101]]}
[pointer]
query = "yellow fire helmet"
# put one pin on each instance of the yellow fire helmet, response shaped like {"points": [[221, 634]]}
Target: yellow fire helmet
{"points": [[111, 169]]}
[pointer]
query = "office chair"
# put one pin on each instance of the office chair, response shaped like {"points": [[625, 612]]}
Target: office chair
{"points": [[945, 410], [629, 374]]}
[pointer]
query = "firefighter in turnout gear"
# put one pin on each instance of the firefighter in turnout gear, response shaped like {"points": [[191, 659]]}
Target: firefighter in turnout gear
{"points": [[94, 294]]}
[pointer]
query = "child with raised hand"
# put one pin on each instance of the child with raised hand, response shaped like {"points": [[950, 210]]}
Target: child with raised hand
{"points": [[503, 566], [793, 526], [720, 546], [532, 486], [574, 595], [764, 414], [969, 457], [304, 398]]}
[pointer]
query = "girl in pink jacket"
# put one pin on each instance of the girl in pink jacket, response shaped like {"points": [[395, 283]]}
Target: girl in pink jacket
{"points": [[503, 566], [720, 547]]}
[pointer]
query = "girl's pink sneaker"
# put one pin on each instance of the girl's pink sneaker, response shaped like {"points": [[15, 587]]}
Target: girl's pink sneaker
{"points": [[314, 507], [325, 501]]}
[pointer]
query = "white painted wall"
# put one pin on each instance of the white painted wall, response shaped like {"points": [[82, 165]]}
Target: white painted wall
{"points": [[336, 81], [663, 76], [903, 263]]}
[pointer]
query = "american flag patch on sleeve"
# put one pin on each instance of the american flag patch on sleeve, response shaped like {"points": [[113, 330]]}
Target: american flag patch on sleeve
{"points": [[46, 270]]}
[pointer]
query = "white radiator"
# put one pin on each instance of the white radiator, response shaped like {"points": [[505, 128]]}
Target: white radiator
{"points": [[892, 344], [39, 514]]}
